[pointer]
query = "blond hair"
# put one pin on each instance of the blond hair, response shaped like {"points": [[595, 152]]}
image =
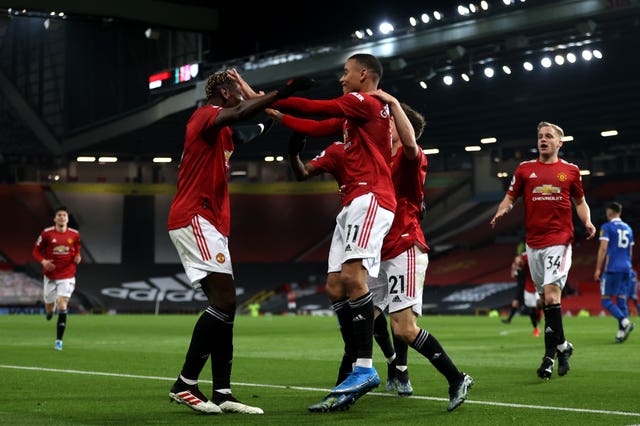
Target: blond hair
{"points": [[555, 127]]}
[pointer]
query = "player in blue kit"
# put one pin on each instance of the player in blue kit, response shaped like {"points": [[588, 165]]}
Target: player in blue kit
{"points": [[613, 267]]}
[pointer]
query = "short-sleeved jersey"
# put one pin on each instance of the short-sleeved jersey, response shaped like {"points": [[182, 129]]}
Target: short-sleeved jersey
{"points": [[60, 248], [408, 180], [367, 142], [203, 173], [331, 160], [528, 281], [620, 240], [547, 190]]}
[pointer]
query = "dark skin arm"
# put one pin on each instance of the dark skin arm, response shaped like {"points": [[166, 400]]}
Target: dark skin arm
{"points": [[244, 109]]}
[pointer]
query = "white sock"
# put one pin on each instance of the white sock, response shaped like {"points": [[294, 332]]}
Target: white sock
{"points": [[188, 381], [364, 362]]}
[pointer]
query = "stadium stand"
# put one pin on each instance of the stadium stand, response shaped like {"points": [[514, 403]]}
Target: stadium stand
{"points": [[287, 239], [287, 226], [26, 212]]}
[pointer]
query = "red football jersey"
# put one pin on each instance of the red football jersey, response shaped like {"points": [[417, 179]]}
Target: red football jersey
{"points": [[203, 173], [59, 247], [547, 190], [408, 180], [331, 160], [367, 137]]}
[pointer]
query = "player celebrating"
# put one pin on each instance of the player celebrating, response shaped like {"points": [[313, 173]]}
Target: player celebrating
{"points": [[368, 201], [547, 186], [331, 160], [199, 225]]}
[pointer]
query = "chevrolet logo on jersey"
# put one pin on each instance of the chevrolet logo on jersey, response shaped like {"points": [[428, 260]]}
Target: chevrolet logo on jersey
{"points": [[60, 249], [546, 189]]}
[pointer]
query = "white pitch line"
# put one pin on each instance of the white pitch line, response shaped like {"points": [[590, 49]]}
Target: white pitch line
{"points": [[428, 398]]}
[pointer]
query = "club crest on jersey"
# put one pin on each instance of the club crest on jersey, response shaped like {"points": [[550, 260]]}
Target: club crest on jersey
{"points": [[547, 189], [220, 258], [69, 240], [562, 177]]}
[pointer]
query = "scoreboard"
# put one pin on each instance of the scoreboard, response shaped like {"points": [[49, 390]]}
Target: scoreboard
{"points": [[174, 78]]}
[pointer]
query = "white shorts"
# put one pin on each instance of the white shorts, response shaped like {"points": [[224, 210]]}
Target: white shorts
{"points": [[549, 265], [400, 282], [531, 299], [202, 250], [360, 229], [55, 288]]}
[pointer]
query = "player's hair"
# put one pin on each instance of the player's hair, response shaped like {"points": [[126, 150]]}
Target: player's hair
{"points": [[370, 62], [61, 209], [615, 207], [215, 81], [555, 127], [415, 118]]}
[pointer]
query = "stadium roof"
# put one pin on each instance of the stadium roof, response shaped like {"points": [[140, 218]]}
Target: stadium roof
{"points": [[585, 97]]}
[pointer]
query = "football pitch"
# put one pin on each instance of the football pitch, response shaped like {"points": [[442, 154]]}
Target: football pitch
{"points": [[117, 369]]}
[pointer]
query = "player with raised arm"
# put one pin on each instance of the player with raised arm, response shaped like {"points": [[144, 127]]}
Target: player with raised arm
{"points": [[368, 201], [405, 254], [199, 225], [399, 285]]}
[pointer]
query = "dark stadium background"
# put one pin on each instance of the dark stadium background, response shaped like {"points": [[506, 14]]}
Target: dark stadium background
{"points": [[80, 87]]}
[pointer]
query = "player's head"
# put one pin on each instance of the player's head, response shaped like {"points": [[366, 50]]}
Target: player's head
{"points": [[61, 216], [222, 90], [415, 118], [362, 73], [614, 209], [549, 139]]}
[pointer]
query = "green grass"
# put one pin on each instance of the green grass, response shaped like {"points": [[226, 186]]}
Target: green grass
{"points": [[118, 370]]}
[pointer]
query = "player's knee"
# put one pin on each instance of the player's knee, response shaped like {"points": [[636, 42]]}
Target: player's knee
{"points": [[606, 302], [352, 283], [405, 330]]}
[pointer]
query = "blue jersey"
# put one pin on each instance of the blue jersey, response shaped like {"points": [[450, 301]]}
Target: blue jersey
{"points": [[620, 238]]}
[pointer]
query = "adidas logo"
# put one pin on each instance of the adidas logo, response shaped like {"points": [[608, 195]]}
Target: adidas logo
{"points": [[357, 318], [548, 330], [348, 248], [396, 299], [436, 356], [533, 175]]}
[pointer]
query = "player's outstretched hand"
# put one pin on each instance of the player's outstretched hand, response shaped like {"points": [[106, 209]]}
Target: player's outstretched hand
{"points": [[296, 143], [295, 85]]}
